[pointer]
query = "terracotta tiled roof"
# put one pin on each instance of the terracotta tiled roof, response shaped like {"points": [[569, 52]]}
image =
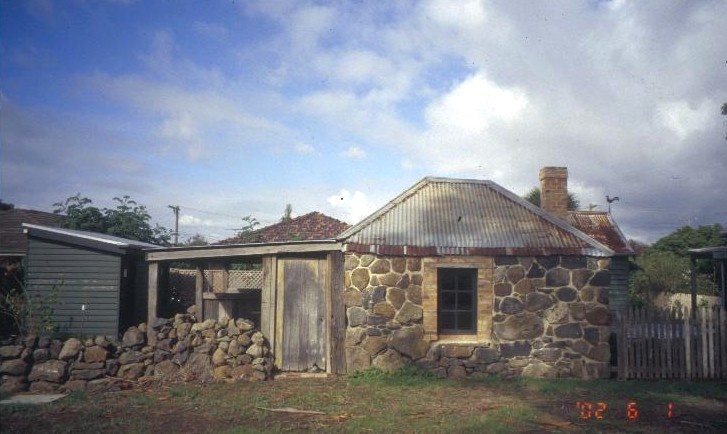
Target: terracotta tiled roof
{"points": [[600, 226], [12, 239], [311, 226]]}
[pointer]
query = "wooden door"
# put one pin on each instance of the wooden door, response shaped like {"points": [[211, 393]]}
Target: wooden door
{"points": [[303, 322]]}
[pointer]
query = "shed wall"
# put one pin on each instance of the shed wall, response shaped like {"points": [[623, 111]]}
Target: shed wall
{"points": [[81, 277], [618, 294]]}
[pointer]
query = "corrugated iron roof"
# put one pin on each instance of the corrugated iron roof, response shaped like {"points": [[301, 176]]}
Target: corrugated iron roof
{"points": [[600, 226], [90, 239], [466, 217]]}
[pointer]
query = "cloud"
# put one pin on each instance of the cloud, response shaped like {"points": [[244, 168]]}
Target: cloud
{"points": [[682, 119], [351, 206], [304, 148], [354, 153], [190, 220], [211, 30]]}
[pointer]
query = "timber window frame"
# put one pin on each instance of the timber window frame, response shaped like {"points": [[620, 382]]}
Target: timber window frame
{"points": [[456, 301], [484, 265]]}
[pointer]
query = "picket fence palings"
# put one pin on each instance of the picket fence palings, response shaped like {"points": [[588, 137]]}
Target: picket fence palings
{"points": [[672, 344]]}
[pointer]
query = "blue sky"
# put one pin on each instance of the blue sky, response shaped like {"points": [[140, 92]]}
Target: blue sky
{"points": [[235, 108]]}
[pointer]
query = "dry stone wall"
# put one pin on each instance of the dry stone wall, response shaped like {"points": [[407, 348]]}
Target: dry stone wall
{"points": [[185, 349], [549, 319]]}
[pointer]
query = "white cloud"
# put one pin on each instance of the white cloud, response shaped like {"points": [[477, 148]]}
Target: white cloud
{"points": [[354, 153], [682, 119], [476, 103], [351, 206], [304, 148], [190, 220]]}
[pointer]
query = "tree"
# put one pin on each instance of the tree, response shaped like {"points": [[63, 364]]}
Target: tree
{"points": [[197, 240], [128, 220], [533, 196], [4, 206], [664, 267], [247, 233], [287, 214]]}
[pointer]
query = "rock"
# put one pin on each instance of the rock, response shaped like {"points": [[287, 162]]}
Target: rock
{"points": [[601, 278], [242, 372], [131, 371], [360, 278], [356, 316], [571, 330], [208, 324], [95, 353], [201, 365], [143, 328], [558, 314], [112, 367], [244, 340], [11, 351], [390, 360], [12, 384], [30, 340], [456, 372], [577, 311], [83, 365], [410, 341], [13, 367], [132, 356], [537, 301], [396, 296], [496, 368], [380, 266], [511, 305], [515, 273], [133, 337], [357, 359], [256, 350], [54, 371], [414, 294], [87, 374], [354, 336], [539, 370], [71, 348], [548, 354], [374, 344], [166, 368], [244, 325], [521, 326], [100, 385], [580, 277], [600, 352], [503, 289], [515, 349], [43, 387], [222, 372], [598, 315], [219, 357], [44, 342], [389, 279], [485, 355], [566, 294], [74, 386], [204, 348], [557, 277], [384, 309], [102, 342], [183, 330], [456, 351], [409, 313]]}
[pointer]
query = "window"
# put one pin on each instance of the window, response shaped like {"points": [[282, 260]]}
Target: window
{"points": [[457, 300]]}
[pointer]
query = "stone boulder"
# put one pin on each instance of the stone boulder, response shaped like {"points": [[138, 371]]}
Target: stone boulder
{"points": [[70, 349], [53, 371], [522, 326], [133, 337], [95, 353], [11, 351], [389, 361], [410, 342], [13, 367]]}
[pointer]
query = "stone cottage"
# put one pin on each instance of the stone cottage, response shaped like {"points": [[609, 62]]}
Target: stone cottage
{"points": [[465, 278]]}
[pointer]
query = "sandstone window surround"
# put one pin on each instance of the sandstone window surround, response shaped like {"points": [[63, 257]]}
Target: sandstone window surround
{"points": [[430, 297]]}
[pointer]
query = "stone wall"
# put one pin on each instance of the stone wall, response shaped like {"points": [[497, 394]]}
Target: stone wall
{"points": [[549, 318], [185, 350]]}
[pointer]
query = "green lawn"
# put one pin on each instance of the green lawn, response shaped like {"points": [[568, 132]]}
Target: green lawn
{"points": [[371, 401]]}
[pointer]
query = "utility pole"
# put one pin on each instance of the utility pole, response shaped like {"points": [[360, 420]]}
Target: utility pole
{"points": [[175, 209]]}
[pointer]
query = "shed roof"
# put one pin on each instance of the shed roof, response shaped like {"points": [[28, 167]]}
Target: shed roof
{"points": [[12, 239], [93, 240], [311, 226], [600, 226], [444, 216]]}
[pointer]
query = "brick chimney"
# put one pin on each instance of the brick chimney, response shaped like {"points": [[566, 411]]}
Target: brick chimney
{"points": [[554, 191]]}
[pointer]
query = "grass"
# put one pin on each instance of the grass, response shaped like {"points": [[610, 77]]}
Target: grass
{"points": [[374, 401]]}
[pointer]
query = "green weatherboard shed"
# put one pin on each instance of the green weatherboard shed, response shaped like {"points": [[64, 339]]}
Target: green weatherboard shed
{"points": [[97, 282]]}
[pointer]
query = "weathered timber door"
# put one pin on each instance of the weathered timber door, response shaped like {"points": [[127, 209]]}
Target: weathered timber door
{"points": [[303, 321]]}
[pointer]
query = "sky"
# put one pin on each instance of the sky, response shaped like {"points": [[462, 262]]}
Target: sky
{"points": [[236, 108]]}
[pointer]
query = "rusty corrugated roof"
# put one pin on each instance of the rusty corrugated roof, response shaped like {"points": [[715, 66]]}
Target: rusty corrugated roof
{"points": [[601, 227], [446, 216]]}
